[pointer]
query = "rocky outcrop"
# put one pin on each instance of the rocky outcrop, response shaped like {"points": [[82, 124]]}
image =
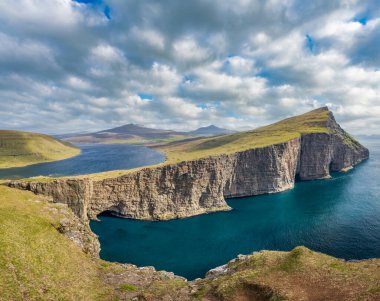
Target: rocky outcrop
{"points": [[200, 186], [322, 153]]}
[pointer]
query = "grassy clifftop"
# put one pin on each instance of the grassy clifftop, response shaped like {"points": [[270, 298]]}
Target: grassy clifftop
{"points": [[282, 131], [315, 121], [24, 148], [300, 274], [37, 262]]}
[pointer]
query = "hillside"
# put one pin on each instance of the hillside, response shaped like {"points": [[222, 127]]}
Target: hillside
{"points": [[316, 121], [39, 260], [41, 257], [136, 134], [200, 174], [210, 130], [23, 148]]}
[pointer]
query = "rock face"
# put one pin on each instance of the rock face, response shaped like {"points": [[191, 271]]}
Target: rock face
{"points": [[200, 186]]}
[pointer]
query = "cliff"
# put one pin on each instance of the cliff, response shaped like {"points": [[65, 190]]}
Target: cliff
{"points": [[200, 185], [37, 262]]}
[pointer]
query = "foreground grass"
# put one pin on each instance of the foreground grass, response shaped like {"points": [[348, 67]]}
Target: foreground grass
{"points": [[36, 261], [39, 263], [300, 274], [23, 148]]}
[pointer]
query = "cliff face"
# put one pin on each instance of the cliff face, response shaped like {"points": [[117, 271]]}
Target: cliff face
{"points": [[322, 153], [200, 186]]}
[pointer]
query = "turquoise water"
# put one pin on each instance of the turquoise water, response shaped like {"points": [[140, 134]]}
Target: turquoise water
{"points": [[340, 217], [93, 158]]}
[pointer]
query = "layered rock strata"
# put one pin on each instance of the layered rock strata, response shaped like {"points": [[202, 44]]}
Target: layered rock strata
{"points": [[200, 186]]}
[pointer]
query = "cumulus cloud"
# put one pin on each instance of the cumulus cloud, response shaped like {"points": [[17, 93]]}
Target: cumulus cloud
{"points": [[70, 65]]}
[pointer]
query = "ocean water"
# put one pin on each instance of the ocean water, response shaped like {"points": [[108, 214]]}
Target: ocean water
{"points": [[340, 217], [93, 158]]}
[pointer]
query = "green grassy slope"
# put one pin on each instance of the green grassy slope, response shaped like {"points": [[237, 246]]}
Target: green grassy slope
{"points": [[24, 148], [39, 263], [300, 274], [282, 131], [36, 261]]}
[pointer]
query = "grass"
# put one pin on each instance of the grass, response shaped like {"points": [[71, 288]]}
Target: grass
{"points": [[144, 141], [291, 260], [159, 289], [23, 148], [282, 131], [300, 274], [193, 149], [36, 261], [39, 263], [128, 287]]}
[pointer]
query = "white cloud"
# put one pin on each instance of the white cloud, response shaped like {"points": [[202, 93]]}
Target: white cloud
{"points": [[187, 50], [106, 53], [242, 63], [78, 83], [150, 37]]}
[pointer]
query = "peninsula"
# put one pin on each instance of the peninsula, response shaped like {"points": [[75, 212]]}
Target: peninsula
{"points": [[195, 179], [199, 174]]}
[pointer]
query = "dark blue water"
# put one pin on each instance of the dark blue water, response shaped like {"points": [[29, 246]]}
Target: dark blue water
{"points": [[340, 217], [93, 158]]}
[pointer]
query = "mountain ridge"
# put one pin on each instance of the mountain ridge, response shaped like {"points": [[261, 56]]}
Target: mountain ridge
{"points": [[140, 134]]}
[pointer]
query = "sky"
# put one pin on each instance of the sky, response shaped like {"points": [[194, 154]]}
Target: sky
{"points": [[71, 66]]}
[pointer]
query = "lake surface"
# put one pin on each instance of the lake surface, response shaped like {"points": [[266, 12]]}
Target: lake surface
{"points": [[93, 158], [340, 217]]}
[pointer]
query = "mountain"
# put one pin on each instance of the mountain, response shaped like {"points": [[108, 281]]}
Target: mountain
{"points": [[129, 133], [210, 130], [133, 133], [23, 148]]}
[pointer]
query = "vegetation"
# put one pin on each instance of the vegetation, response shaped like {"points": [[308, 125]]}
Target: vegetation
{"points": [[285, 130], [24, 148], [128, 287], [138, 140], [192, 149], [36, 261], [297, 275]]}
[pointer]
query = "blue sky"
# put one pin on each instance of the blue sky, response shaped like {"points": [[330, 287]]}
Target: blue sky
{"points": [[68, 66]]}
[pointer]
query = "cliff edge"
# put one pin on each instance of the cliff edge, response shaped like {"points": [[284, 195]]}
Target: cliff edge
{"points": [[200, 174]]}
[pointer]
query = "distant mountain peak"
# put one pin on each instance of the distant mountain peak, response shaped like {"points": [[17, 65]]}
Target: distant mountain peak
{"points": [[211, 126], [211, 130], [136, 132]]}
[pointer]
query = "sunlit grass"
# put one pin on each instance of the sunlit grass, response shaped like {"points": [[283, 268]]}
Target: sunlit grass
{"points": [[285, 130], [36, 261], [187, 150], [22, 148]]}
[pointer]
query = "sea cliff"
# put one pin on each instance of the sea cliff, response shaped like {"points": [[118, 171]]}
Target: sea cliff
{"points": [[199, 186]]}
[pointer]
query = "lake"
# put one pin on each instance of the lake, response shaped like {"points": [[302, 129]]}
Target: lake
{"points": [[93, 158], [339, 217]]}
